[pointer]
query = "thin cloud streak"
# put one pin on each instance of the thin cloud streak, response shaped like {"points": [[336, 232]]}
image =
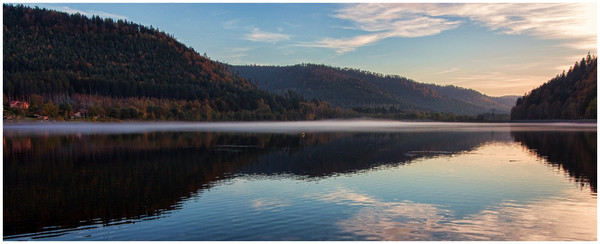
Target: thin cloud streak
{"points": [[345, 45], [573, 22], [258, 35], [452, 70], [231, 24]]}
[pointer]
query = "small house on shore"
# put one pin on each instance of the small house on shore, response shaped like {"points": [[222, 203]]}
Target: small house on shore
{"points": [[19, 104]]}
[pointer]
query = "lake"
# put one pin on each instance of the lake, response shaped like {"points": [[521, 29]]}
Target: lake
{"points": [[285, 181]]}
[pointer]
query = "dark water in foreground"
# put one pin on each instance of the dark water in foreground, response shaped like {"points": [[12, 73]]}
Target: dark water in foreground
{"points": [[332, 180]]}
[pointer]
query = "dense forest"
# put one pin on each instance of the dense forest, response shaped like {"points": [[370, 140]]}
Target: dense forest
{"points": [[364, 90], [66, 63], [570, 95]]}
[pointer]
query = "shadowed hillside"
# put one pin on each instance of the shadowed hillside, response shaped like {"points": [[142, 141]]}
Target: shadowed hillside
{"points": [[352, 88]]}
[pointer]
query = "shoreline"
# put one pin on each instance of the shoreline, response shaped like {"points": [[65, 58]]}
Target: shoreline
{"points": [[35, 121], [288, 127]]}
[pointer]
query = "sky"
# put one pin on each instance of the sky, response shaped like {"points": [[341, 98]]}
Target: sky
{"points": [[495, 48]]}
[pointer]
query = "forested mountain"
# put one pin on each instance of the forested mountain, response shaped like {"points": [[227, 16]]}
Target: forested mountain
{"points": [[125, 70], [65, 65], [570, 95], [352, 88]]}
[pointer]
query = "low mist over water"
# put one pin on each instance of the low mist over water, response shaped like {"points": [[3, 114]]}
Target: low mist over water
{"points": [[285, 127]]}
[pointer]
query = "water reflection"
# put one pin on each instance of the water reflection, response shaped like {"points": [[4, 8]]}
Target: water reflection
{"points": [[72, 180], [355, 152], [54, 182], [505, 202], [540, 220], [575, 152]]}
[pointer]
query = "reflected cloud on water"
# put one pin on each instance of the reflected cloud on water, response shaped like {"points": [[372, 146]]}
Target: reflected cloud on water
{"points": [[559, 214], [269, 204], [537, 220]]}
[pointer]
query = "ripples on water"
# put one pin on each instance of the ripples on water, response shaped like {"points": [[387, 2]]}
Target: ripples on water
{"points": [[323, 180]]}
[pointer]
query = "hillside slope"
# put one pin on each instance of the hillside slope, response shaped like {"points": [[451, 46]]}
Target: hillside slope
{"points": [[81, 62], [570, 95], [352, 88]]}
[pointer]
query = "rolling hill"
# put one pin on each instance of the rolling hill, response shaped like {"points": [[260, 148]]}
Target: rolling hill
{"points": [[350, 88]]}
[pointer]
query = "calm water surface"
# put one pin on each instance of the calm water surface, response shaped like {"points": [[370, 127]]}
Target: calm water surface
{"points": [[325, 180]]}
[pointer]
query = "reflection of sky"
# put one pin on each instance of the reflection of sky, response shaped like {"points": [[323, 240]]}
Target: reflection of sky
{"points": [[497, 192], [569, 217], [465, 183]]}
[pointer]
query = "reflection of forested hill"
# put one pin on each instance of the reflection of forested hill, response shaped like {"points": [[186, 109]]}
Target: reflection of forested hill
{"points": [[575, 152], [351, 153], [73, 180]]}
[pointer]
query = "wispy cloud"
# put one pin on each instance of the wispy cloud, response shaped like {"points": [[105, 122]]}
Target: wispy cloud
{"points": [[574, 22], [231, 24], [258, 35], [552, 21], [420, 26], [235, 54], [452, 70], [344, 45], [374, 18]]}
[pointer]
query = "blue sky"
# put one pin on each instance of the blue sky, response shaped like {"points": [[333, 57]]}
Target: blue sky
{"points": [[495, 48]]}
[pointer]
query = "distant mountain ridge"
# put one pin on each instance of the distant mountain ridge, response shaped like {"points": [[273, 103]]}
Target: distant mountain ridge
{"points": [[350, 88]]}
